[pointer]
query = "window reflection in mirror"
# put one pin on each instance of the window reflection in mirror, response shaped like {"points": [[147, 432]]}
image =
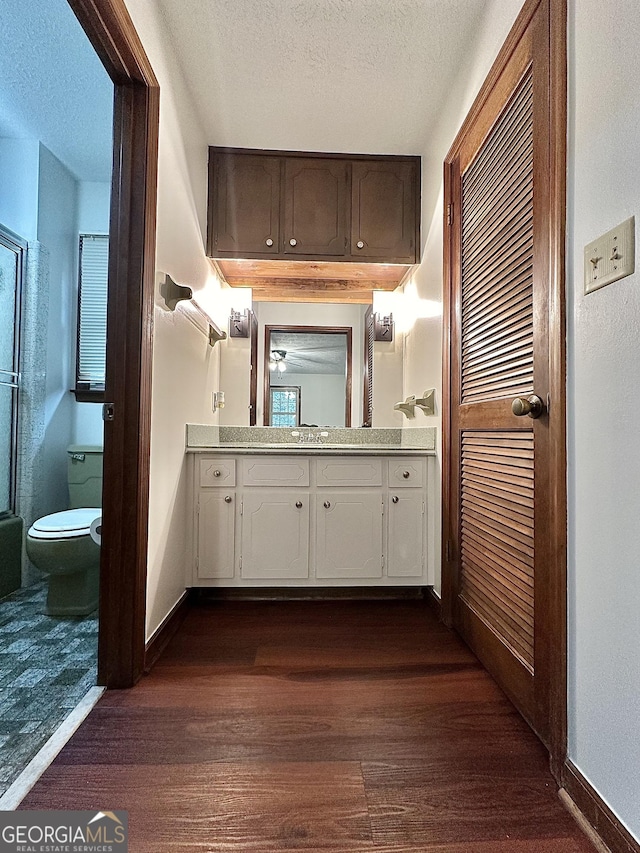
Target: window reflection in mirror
{"points": [[308, 372]]}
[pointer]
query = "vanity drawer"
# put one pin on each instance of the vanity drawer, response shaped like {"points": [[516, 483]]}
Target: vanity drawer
{"points": [[283, 471], [406, 472], [345, 471], [218, 472]]}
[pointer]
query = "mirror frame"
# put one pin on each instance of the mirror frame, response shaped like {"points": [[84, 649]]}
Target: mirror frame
{"points": [[325, 330]]}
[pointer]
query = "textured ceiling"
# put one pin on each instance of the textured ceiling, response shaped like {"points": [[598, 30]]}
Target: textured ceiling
{"points": [[364, 76], [309, 352], [53, 87]]}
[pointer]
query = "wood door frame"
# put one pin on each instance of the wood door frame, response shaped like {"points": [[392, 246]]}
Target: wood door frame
{"points": [[132, 243], [328, 330], [556, 599]]}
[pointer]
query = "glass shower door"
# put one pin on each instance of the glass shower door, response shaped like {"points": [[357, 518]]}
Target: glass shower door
{"points": [[10, 280]]}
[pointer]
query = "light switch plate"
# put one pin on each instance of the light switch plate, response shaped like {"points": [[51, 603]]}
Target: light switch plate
{"points": [[611, 256]]}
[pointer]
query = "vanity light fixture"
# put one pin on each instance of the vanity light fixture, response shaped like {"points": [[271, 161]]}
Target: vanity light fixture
{"points": [[239, 324], [383, 327]]}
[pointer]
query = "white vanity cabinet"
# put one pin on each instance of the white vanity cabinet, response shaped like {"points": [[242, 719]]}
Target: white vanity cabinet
{"points": [[292, 520], [406, 509], [275, 535]]}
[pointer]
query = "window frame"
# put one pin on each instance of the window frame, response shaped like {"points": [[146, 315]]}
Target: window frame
{"points": [[83, 393], [272, 412]]}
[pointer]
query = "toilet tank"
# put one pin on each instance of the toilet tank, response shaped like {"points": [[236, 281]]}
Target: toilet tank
{"points": [[84, 467]]}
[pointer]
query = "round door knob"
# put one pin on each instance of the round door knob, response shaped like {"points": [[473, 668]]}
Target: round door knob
{"points": [[299, 504], [327, 504], [269, 241], [395, 499], [228, 499], [293, 242], [360, 244], [532, 406], [217, 473], [406, 475]]}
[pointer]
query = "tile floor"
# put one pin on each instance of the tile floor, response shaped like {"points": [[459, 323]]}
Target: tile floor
{"points": [[47, 664]]}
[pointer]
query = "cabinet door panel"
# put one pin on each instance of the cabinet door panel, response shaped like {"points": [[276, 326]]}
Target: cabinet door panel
{"points": [[349, 472], [405, 558], [349, 535], [275, 535], [383, 210], [315, 202], [216, 535], [246, 204]]}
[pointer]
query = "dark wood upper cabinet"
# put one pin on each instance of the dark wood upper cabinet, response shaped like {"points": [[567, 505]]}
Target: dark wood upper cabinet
{"points": [[295, 206], [383, 210], [315, 207], [244, 205]]}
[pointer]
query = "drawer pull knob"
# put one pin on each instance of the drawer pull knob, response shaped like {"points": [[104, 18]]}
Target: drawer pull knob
{"points": [[228, 499], [360, 244], [293, 242], [217, 473], [327, 504], [406, 475], [299, 504], [269, 242], [395, 499]]}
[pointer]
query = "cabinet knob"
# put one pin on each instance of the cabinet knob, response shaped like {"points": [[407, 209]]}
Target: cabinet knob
{"points": [[269, 241], [217, 473], [406, 475], [327, 504], [395, 499], [360, 244], [299, 504], [228, 499], [293, 242]]}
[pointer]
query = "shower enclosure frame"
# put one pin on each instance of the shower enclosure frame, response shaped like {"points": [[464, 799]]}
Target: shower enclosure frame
{"points": [[14, 243]]}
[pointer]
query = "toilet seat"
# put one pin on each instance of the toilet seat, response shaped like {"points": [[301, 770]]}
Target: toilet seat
{"points": [[69, 524]]}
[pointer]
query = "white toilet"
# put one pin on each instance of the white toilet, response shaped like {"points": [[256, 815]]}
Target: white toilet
{"points": [[61, 544]]}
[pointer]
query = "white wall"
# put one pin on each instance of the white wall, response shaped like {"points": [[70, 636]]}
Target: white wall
{"points": [[604, 367], [185, 367], [322, 397], [19, 160]]}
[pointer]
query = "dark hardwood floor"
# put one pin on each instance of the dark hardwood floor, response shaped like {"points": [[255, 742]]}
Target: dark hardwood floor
{"points": [[336, 727]]}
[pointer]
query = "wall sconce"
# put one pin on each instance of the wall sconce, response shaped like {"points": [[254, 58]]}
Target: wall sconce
{"points": [[383, 328], [239, 324]]}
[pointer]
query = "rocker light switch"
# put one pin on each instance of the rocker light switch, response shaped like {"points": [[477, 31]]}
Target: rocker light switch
{"points": [[610, 257]]}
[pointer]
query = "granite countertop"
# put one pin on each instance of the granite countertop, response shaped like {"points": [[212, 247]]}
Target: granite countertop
{"points": [[281, 449], [279, 441]]}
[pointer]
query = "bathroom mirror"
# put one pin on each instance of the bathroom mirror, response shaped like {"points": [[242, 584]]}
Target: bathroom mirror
{"points": [[243, 365], [308, 376]]}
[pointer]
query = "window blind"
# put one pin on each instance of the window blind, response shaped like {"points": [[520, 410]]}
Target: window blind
{"points": [[92, 311]]}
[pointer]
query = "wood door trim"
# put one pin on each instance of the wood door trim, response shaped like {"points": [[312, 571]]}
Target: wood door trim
{"points": [[123, 567], [327, 330], [554, 603]]}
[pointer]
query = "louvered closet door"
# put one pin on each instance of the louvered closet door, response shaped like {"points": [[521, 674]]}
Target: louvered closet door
{"points": [[498, 356]]}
